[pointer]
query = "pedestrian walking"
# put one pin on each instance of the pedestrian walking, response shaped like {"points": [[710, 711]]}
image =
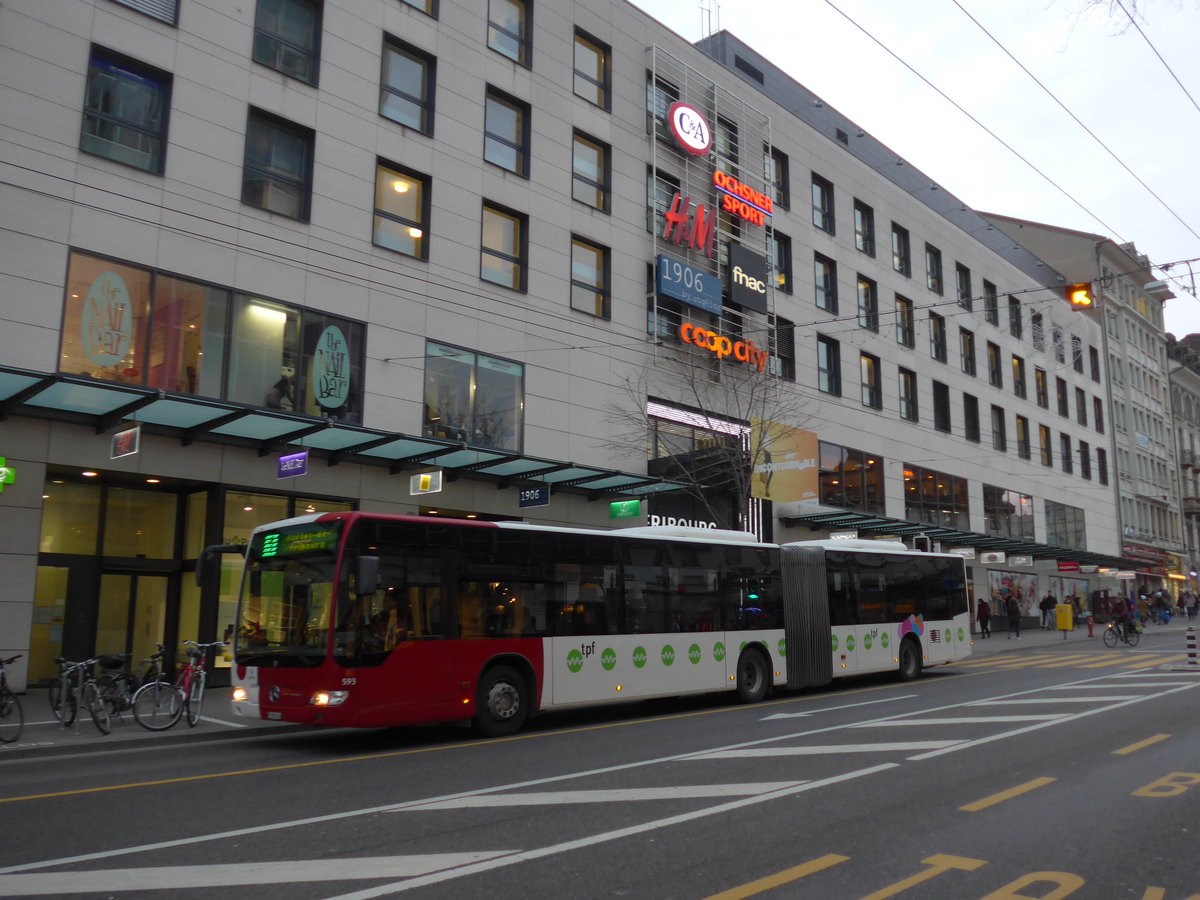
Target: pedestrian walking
{"points": [[983, 612], [1012, 609], [1047, 607]]}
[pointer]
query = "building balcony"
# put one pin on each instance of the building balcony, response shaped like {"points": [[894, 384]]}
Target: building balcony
{"points": [[1191, 507], [1187, 459]]}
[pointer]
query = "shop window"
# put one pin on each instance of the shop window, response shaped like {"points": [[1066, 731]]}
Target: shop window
{"points": [[125, 112], [287, 34], [104, 320], [331, 352], [139, 523], [277, 175], [401, 211], [476, 399], [509, 29], [407, 85], [263, 353], [70, 518], [187, 337]]}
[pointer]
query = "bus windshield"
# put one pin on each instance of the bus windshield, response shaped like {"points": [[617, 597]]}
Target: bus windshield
{"points": [[287, 595]]}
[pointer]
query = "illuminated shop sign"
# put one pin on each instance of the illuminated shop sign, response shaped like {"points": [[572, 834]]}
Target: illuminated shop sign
{"points": [[747, 278], [695, 228], [721, 345], [687, 284], [742, 200], [690, 129], [7, 474]]}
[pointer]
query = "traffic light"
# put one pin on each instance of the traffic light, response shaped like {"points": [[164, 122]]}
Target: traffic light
{"points": [[1080, 295]]}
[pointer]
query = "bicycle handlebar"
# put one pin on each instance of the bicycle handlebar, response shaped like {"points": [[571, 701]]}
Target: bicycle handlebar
{"points": [[10, 660]]}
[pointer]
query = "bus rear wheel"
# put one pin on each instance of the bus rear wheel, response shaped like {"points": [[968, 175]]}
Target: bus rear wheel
{"points": [[501, 705], [753, 677], [910, 661]]}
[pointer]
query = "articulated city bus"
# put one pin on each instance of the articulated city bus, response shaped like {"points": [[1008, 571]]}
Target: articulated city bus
{"points": [[366, 619]]}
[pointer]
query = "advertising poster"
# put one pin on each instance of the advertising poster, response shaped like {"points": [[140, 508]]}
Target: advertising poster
{"points": [[1022, 585], [784, 461]]}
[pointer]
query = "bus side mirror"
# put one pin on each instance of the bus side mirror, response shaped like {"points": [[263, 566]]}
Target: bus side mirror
{"points": [[366, 578], [210, 559]]}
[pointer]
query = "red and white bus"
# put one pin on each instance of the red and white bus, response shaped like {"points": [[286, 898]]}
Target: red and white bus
{"points": [[376, 620]]}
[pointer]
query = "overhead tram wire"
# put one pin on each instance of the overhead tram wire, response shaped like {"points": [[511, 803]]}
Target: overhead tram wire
{"points": [[1133, 22]]}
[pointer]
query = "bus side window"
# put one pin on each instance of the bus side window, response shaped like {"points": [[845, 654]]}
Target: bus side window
{"points": [[471, 603]]}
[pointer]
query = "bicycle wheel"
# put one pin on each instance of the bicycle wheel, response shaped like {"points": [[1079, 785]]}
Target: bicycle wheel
{"points": [[94, 703], [1132, 637], [1110, 637], [12, 718], [157, 705], [195, 699], [63, 702], [110, 692]]}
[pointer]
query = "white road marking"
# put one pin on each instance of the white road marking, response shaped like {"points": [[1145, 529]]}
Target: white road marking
{"points": [[1019, 700], [223, 722], [812, 712], [557, 798], [235, 874], [962, 720], [751, 753]]}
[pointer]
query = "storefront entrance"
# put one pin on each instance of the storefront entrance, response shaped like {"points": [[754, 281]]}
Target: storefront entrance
{"points": [[132, 614]]}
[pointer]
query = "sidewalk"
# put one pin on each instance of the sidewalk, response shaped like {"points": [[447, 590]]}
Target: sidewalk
{"points": [[45, 736], [1032, 635]]}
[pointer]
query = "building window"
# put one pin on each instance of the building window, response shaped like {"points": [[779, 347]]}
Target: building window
{"points": [[999, 432], [1056, 335], [473, 398], [1007, 513], [506, 132], [783, 348], [908, 396], [509, 29], [777, 163], [991, 310], [1066, 526], [822, 203], [1039, 385], [781, 261], [1085, 460], [1064, 403], [933, 268], [901, 255], [971, 418], [1094, 359], [872, 389], [935, 498], [937, 337], [1102, 465], [1081, 406], [125, 112], [163, 10], [1018, 376], [1024, 450], [829, 365], [966, 351], [850, 479], [660, 95], [592, 69], [1064, 452], [868, 304], [1098, 414], [864, 228], [906, 329], [503, 248], [1015, 327], [661, 188], [429, 7], [726, 145], [1037, 332], [825, 277], [962, 282], [589, 278], [591, 172], [995, 368], [278, 168], [941, 406], [401, 210], [1047, 452], [1077, 354], [287, 34], [406, 86]]}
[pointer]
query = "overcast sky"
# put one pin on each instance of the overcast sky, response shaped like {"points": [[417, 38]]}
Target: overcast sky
{"points": [[1101, 69]]}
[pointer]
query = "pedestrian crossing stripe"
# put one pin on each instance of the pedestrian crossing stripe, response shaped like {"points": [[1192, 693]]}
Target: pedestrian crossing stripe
{"points": [[561, 798]]}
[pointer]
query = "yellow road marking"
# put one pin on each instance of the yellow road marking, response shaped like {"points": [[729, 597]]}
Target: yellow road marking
{"points": [[787, 875], [1157, 661], [1141, 744], [1008, 795]]}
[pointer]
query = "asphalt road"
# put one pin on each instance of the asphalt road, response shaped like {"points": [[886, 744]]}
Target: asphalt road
{"points": [[1046, 773]]}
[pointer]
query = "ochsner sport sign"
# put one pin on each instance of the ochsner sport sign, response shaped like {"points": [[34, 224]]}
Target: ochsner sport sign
{"points": [[721, 346], [690, 129]]}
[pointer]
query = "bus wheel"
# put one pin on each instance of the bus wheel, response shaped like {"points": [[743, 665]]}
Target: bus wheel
{"points": [[910, 661], [753, 678], [500, 707]]}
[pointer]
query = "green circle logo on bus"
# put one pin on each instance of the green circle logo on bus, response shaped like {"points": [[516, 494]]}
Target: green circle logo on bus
{"points": [[866, 642], [741, 646], [961, 636], [884, 640], [718, 651], [783, 646], [574, 661], [668, 654], [608, 659], [849, 643], [835, 643], [639, 656], [694, 654]]}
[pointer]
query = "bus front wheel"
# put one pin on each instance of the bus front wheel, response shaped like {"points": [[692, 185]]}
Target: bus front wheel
{"points": [[753, 677], [501, 706], [910, 661]]}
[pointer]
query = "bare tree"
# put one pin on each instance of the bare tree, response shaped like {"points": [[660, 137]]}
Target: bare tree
{"points": [[727, 396]]}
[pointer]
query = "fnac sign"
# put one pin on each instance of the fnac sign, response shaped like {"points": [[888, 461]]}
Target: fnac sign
{"points": [[722, 346], [690, 129]]}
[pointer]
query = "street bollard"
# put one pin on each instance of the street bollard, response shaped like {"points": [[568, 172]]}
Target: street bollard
{"points": [[1090, 622], [1191, 647]]}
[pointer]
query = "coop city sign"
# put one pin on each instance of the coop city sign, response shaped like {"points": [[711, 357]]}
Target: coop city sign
{"points": [[722, 346]]}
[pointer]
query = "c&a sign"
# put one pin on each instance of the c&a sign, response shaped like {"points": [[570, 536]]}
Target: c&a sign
{"points": [[690, 129], [721, 346]]}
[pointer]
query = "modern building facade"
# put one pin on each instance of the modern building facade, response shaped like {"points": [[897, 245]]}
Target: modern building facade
{"points": [[424, 256]]}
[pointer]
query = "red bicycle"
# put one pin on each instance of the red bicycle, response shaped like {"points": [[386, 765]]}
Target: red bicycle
{"points": [[159, 704]]}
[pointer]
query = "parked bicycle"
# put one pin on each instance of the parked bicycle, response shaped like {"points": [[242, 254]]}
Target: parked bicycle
{"points": [[156, 703], [119, 684], [76, 686], [1121, 631], [12, 718], [159, 704]]}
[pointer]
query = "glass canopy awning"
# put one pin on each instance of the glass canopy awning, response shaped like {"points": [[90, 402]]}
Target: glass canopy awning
{"points": [[865, 523], [105, 405]]}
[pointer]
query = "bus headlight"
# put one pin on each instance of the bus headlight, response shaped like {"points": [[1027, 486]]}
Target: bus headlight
{"points": [[329, 698], [240, 695]]}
